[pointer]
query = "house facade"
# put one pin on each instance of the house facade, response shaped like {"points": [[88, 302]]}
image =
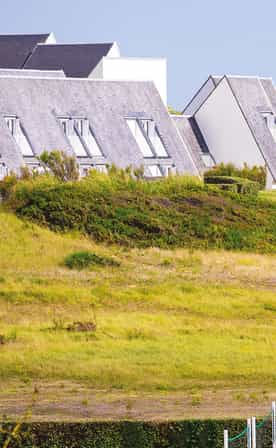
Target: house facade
{"points": [[85, 100], [235, 117]]}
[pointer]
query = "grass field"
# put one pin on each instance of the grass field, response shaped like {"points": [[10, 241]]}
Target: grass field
{"points": [[168, 321]]}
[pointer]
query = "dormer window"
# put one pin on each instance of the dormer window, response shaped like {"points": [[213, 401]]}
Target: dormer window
{"points": [[270, 120], [80, 136], [19, 135], [140, 137], [147, 137], [3, 170], [153, 135]]}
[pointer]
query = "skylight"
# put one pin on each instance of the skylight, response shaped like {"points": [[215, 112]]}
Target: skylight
{"points": [[154, 137], [79, 134], [140, 138], [147, 137], [85, 132], [73, 137], [19, 135]]}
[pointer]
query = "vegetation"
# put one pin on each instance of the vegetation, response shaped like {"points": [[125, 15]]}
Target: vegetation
{"points": [[256, 173], [189, 318], [173, 111], [235, 184], [193, 434], [85, 259], [64, 167], [173, 212]]}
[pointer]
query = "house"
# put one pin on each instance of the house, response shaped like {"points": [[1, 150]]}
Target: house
{"points": [[86, 100], [100, 122], [234, 120], [96, 60]]}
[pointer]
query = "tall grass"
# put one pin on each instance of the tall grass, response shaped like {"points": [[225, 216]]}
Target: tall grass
{"points": [[166, 319]]}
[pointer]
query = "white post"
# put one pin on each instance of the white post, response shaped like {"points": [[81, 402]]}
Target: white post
{"points": [[225, 438], [253, 432], [249, 436], [273, 424]]}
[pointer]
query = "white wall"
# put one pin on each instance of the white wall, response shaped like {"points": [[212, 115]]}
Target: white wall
{"points": [[225, 129], [134, 69], [51, 39], [114, 51]]}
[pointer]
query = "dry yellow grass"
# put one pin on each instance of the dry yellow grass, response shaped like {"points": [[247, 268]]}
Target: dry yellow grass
{"points": [[166, 320]]}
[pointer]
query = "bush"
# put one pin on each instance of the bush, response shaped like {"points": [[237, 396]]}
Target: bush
{"points": [[84, 259], [234, 184], [63, 167], [256, 173], [173, 212], [135, 434]]}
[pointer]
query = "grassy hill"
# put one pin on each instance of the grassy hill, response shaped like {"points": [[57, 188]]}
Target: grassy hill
{"points": [[180, 324], [171, 213]]}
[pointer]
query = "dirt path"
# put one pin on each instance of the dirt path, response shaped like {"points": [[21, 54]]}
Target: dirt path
{"points": [[74, 402]]}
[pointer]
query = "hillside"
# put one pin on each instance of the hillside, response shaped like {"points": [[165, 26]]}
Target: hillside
{"points": [[170, 213], [180, 332]]}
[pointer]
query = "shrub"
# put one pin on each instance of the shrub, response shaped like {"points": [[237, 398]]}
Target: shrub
{"points": [[234, 184], [84, 259], [178, 211], [7, 186], [256, 173], [134, 434], [62, 166]]}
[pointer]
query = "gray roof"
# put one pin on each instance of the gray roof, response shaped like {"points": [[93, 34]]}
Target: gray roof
{"points": [[255, 95], [76, 60], [16, 48], [186, 130], [39, 101], [32, 73]]}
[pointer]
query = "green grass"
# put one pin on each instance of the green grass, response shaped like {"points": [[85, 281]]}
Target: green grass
{"points": [[167, 320], [170, 213]]}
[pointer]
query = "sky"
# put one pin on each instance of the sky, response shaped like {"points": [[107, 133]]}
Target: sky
{"points": [[198, 37]]}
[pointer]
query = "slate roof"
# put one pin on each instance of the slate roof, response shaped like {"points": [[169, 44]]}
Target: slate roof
{"points": [[32, 73], [16, 48], [186, 130], [38, 102], [254, 96], [76, 60]]}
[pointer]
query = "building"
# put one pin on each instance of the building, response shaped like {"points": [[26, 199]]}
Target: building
{"points": [[96, 60], [52, 101], [234, 120]]}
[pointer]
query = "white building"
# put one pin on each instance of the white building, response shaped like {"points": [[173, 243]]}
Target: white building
{"points": [[234, 118]]}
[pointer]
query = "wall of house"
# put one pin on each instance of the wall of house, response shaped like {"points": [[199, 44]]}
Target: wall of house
{"points": [[225, 129], [134, 69], [114, 51]]}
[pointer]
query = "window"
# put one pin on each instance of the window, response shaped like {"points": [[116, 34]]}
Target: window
{"points": [[168, 170], [101, 168], [3, 170], [18, 133], [147, 136], [84, 130], [270, 121], [153, 171], [154, 137], [207, 160], [140, 138], [73, 137], [80, 136]]}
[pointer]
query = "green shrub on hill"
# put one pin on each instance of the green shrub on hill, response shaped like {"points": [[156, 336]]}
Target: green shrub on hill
{"points": [[84, 259], [178, 211], [234, 184], [256, 173]]}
